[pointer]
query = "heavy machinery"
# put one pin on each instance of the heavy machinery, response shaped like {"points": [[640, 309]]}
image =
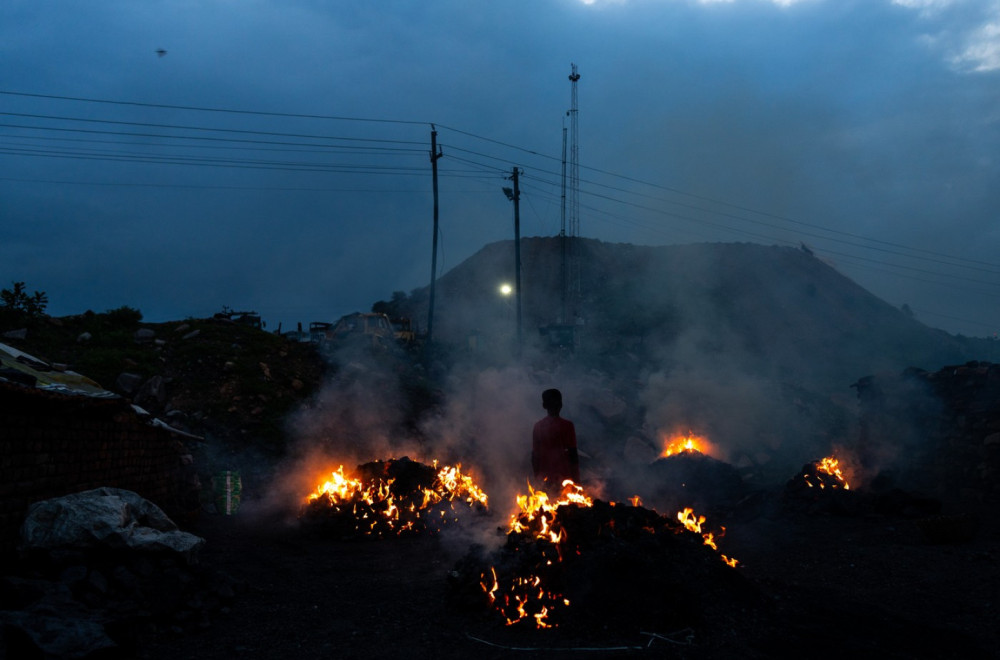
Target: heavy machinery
{"points": [[366, 329]]}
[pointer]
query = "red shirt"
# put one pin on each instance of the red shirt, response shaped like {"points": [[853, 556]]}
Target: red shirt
{"points": [[553, 450]]}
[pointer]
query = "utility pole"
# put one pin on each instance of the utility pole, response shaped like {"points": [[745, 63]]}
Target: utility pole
{"points": [[435, 154], [563, 272], [515, 196]]}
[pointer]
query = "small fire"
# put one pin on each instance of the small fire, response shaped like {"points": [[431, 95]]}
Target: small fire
{"points": [[375, 507], [828, 466], [526, 598], [537, 511], [456, 485], [529, 596], [340, 488], [679, 444], [693, 523]]}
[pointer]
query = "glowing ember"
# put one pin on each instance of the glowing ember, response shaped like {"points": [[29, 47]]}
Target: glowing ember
{"points": [[680, 444], [834, 476], [391, 497], [693, 523]]}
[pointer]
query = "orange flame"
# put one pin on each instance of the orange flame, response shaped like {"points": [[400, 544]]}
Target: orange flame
{"points": [[538, 510], [679, 444], [830, 466], [347, 494], [526, 598], [522, 598], [458, 485], [693, 523], [339, 488]]}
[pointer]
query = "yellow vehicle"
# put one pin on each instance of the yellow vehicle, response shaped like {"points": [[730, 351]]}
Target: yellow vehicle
{"points": [[404, 331], [375, 328]]}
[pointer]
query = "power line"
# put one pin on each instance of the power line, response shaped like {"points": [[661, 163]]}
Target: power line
{"points": [[199, 128], [165, 106], [481, 166], [457, 131]]}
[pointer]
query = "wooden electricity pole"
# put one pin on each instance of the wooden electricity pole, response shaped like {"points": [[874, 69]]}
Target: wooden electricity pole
{"points": [[517, 252], [435, 154]]}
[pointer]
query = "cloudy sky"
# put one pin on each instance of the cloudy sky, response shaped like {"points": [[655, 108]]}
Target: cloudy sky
{"points": [[179, 156]]}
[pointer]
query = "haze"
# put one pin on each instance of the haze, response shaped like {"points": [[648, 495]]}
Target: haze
{"points": [[178, 157]]}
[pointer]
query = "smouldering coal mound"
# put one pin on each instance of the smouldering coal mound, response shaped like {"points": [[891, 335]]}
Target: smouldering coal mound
{"points": [[820, 487], [390, 498], [608, 566], [691, 478]]}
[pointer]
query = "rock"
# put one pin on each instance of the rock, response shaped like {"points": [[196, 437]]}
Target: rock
{"points": [[192, 334], [43, 635], [143, 335], [20, 333], [84, 337], [128, 382], [104, 518], [154, 389]]}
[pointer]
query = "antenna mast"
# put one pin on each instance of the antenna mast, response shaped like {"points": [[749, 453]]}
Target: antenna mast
{"points": [[571, 256]]}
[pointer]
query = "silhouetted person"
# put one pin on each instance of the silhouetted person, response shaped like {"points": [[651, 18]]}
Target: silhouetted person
{"points": [[553, 444]]}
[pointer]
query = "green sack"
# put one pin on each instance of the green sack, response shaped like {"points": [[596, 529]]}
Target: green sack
{"points": [[227, 487]]}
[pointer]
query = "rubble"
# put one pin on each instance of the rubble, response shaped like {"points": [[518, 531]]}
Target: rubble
{"points": [[97, 572], [941, 427]]}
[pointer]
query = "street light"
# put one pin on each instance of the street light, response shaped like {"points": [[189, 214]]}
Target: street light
{"points": [[506, 290]]}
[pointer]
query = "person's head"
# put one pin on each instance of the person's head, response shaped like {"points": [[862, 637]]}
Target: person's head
{"points": [[552, 401]]}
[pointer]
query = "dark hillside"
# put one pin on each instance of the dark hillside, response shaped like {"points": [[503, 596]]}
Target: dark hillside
{"points": [[780, 310], [754, 345]]}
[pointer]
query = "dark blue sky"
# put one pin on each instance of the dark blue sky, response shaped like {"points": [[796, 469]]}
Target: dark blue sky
{"points": [[868, 130]]}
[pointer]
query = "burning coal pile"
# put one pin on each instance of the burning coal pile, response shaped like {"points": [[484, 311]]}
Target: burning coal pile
{"points": [[821, 487], [687, 473], [582, 564], [391, 498]]}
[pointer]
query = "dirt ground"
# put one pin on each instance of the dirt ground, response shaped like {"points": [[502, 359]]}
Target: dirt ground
{"points": [[830, 586]]}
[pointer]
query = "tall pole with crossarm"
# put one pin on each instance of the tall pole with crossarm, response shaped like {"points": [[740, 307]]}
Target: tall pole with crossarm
{"points": [[515, 196], [435, 154]]}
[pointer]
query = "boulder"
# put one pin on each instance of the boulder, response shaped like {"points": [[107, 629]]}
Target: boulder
{"points": [[107, 519], [128, 382]]}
